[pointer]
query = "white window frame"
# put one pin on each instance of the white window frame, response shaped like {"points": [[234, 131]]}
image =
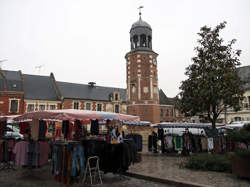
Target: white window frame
{"points": [[30, 104], [40, 104], [53, 105], [18, 101], [79, 105], [97, 107], [90, 105]]}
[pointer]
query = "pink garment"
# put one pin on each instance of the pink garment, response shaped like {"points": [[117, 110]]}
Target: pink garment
{"points": [[20, 150], [44, 153]]}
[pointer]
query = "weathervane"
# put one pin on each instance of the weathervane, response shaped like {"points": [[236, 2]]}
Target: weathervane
{"points": [[140, 7]]}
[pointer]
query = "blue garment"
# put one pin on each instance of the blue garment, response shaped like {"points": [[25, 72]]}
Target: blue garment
{"points": [[77, 156]]}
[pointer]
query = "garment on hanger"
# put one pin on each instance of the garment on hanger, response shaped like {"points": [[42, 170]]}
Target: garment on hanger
{"points": [[20, 150], [3, 125], [169, 142], [35, 129], [94, 129], [210, 144], [65, 128], [178, 143], [23, 127], [78, 130], [42, 129], [204, 143]]}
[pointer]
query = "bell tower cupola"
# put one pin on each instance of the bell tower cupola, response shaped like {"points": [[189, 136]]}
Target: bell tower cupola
{"points": [[141, 35]]}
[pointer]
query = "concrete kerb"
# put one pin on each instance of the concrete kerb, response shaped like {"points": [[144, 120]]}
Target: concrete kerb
{"points": [[165, 181]]}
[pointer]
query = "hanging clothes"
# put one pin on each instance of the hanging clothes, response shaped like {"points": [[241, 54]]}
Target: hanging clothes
{"points": [[78, 130], [71, 127], [35, 129], [68, 161], [178, 143], [24, 126], [65, 128], [20, 150], [169, 142], [42, 129], [3, 125], [44, 153], [204, 143], [210, 144], [94, 129]]}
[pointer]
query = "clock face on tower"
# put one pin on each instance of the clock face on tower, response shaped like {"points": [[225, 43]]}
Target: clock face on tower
{"points": [[154, 61]]}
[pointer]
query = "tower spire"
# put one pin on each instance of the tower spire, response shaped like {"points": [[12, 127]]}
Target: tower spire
{"points": [[140, 7]]}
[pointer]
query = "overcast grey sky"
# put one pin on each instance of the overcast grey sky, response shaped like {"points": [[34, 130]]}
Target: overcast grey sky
{"points": [[86, 40]]}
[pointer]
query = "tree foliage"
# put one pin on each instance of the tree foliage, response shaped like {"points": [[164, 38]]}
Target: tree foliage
{"points": [[213, 82]]}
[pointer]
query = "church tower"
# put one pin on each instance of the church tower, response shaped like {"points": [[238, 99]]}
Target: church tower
{"points": [[142, 75]]}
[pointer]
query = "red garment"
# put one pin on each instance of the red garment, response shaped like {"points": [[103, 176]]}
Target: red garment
{"points": [[69, 137], [76, 132], [23, 126], [58, 133], [44, 153]]}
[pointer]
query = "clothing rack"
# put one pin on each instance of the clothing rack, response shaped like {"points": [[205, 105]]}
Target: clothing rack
{"points": [[8, 165]]}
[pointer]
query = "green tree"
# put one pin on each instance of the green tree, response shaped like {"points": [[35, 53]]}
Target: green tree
{"points": [[213, 83]]}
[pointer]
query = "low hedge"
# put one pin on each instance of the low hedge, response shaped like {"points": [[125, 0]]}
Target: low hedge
{"points": [[210, 162]]}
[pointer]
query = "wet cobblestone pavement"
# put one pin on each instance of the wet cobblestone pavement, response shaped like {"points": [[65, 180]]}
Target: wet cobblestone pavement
{"points": [[168, 167], [42, 178]]}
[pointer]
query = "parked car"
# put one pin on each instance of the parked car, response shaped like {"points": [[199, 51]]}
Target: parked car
{"points": [[13, 132]]}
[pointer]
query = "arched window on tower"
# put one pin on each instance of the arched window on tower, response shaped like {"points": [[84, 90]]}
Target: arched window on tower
{"points": [[143, 42], [135, 41], [149, 41]]}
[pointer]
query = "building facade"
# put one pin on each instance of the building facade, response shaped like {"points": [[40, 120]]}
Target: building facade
{"points": [[244, 113], [22, 93], [11, 92]]}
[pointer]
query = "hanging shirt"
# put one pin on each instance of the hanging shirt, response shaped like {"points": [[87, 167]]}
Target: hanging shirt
{"points": [[44, 153], [35, 129], [178, 143], [23, 126], [42, 129], [169, 142], [21, 149], [204, 143], [210, 144]]}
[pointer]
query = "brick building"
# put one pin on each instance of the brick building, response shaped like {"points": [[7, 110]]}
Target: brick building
{"points": [[11, 92], [144, 98]]}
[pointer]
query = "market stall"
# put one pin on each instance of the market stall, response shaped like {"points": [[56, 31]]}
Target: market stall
{"points": [[9, 135], [189, 138], [72, 144]]}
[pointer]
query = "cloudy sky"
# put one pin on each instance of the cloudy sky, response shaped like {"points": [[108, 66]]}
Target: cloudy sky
{"points": [[86, 40]]}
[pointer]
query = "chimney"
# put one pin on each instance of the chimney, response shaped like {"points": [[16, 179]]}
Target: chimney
{"points": [[91, 84]]}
